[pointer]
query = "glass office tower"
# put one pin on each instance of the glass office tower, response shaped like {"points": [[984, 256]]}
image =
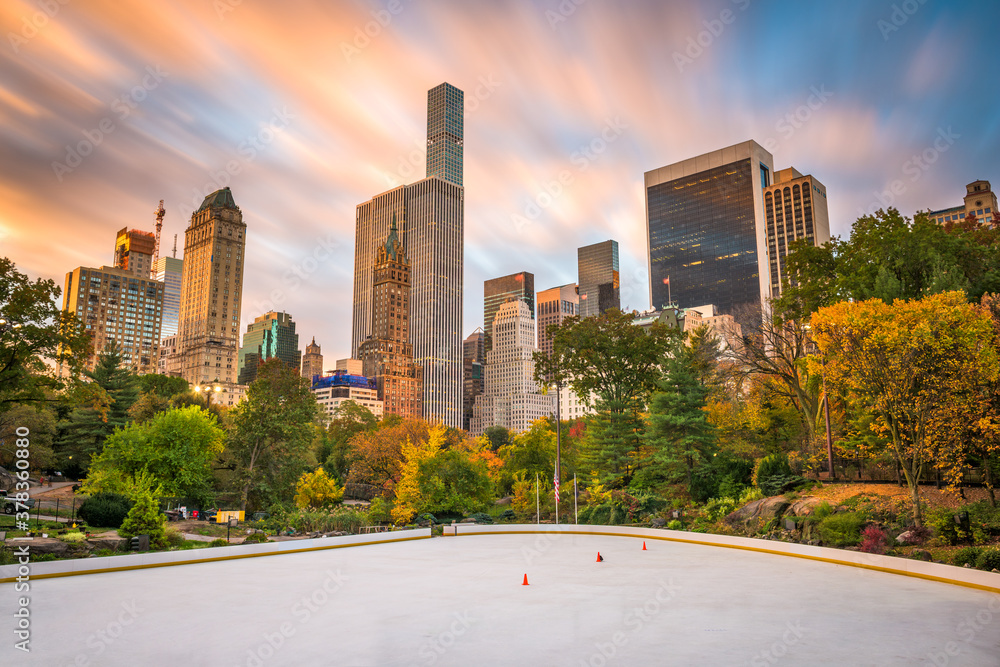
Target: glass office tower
{"points": [[706, 231], [445, 129], [598, 278]]}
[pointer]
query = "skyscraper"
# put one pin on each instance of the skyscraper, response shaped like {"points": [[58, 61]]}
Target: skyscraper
{"points": [[511, 397], [387, 355], [169, 271], [499, 291], [473, 360], [554, 306], [134, 251], [117, 306], [600, 284], [430, 215], [794, 209], [270, 336], [211, 290], [445, 131], [312, 360], [705, 225]]}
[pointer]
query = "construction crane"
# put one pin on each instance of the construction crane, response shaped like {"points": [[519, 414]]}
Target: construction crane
{"points": [[160, 212]]}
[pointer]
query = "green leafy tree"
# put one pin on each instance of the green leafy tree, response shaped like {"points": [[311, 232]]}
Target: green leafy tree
{"points": [[679, 436], [175, 450], [40, 422], [163, 386], [533, 451], [440, 481], [44, 335], [497, 436], [607, 356], [273, 431]]}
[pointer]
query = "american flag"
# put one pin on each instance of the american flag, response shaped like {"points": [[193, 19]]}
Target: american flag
{"points": [[555, 478]]}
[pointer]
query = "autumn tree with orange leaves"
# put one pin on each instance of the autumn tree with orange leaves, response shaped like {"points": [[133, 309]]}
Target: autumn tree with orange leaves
{"points": [[909, 364]]}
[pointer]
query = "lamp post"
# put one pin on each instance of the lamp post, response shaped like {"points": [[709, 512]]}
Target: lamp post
{"points": [[209, 389]]}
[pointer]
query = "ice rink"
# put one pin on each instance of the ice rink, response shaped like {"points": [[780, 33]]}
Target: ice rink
{"points": [[460, 601]]}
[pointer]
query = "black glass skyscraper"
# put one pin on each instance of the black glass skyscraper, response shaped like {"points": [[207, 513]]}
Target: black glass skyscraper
{"points": [[599, 281], [706, 233], [445, 129]]}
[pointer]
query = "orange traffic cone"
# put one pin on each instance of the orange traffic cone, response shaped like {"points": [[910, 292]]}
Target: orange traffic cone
{"points": [[644, 546], [525, 582], [599, 557]]}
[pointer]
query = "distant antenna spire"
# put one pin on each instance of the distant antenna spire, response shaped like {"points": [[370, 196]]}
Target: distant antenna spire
{"points": [[175, 246]]}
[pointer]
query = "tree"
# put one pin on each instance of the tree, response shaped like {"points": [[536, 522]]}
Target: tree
{"points": [[439, 480], [273, 430], [775, 347], [148, 406], [174, 450], [316, 489], [531, 452], [680, 436], [609, 357], [350, 419], [905, 363], [163, 386], [497, 436], [45, 334], [41, 424], [145, 518], [82, 435], [612, 449], [606, 355], [378, 455]]}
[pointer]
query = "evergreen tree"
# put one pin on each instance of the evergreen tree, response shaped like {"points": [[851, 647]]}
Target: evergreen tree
{"points": [[613, 445], [145, 518], [679, 434], [82, 435]]}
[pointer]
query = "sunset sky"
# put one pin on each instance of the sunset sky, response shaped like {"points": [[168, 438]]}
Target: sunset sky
{"points": [[317, 106]]}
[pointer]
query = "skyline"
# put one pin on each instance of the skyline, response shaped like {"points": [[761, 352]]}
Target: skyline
{"points": [[185, 90]]}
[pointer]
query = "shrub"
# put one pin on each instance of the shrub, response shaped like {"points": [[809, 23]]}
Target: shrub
{"points": [[988, 559], [481, 517], [342, 519], [173, 537], [506, 515], [841, 529], [873, 540], [716, 508], [145, 518], [380, 511], [966, 556], [105, 509], [822, 510], [218, 543], [771, 466], [675, 525], [255, 538], [73, 538]]}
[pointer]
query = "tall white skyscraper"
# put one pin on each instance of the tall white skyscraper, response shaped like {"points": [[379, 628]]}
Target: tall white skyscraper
{"points": [[511, 397]]}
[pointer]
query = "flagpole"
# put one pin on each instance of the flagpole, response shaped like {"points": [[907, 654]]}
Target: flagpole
{"points": [[558, 443], [576, 514], [537, 506], [670, 301]]}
